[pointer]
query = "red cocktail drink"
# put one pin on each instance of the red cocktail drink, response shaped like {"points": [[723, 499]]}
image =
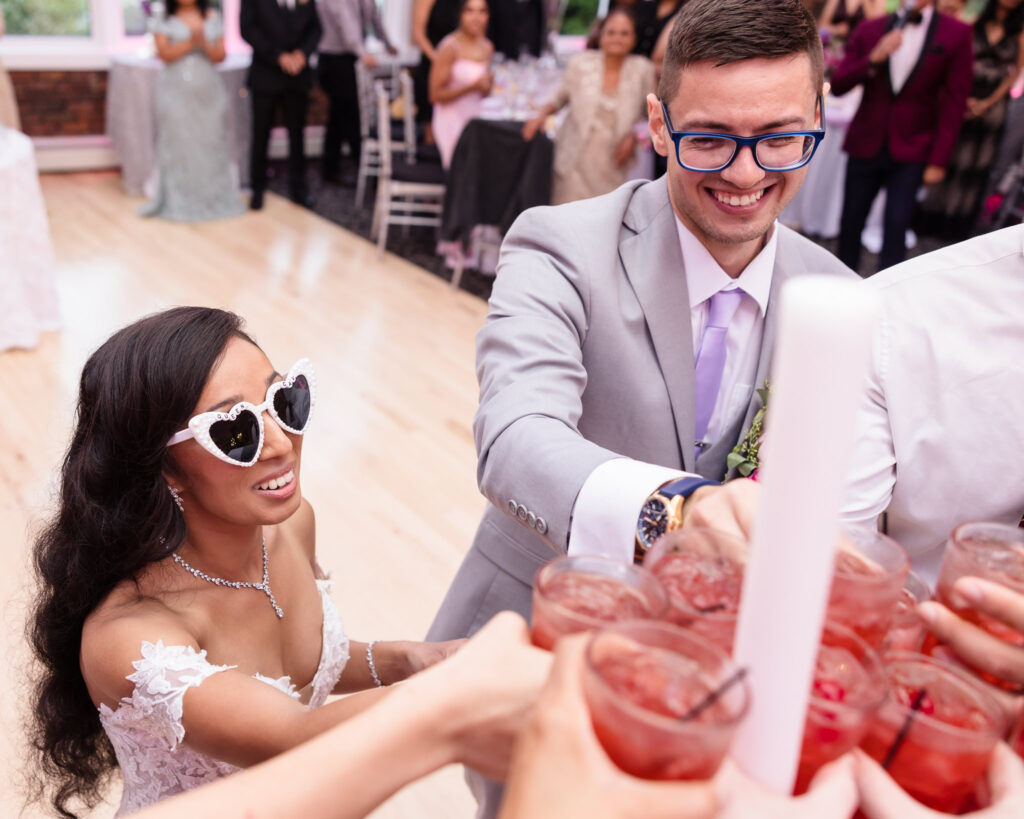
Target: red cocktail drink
{"points": [[849, 686], [664, 703], [907, 630], [994, 552], [584, 592], [936, 731], [869, 575], [702, 571]]}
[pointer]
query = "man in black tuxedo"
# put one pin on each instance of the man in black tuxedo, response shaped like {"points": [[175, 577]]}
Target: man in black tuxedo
{"points": [[283, 34]]}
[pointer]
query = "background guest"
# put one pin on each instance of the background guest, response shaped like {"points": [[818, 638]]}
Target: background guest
{"points": [[517, 27], [8, 104], [951, 208], [432, 21], [460, 76], [606, 91], [345, 23], [652, 18], [196, 182], [283, 34], [841, 17], [915, 69]]}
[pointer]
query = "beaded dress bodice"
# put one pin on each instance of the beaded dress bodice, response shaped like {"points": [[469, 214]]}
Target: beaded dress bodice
{"points": [[146, 729]]}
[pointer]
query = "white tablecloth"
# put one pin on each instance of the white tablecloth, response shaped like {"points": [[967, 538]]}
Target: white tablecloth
{"points": [[28, 293], [131, 117]]}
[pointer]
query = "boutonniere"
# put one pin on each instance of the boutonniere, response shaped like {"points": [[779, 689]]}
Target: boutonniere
{"points": [[745, 456]]}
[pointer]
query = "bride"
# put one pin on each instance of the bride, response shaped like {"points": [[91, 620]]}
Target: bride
{"points": [[183, 624]]}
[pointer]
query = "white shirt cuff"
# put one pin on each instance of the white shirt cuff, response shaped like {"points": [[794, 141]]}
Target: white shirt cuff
{"points": [[607, 508]]}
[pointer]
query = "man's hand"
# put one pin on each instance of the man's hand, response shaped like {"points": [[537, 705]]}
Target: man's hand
{"points": [[933, 175], [972, 645], [299, 58], [885, 47], [560, 771], [287, 63], [369, 60], [833, 794], [729, 508], [882, 798]]}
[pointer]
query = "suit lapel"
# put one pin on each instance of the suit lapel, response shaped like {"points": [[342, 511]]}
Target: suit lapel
{"points": [[653, 263]]}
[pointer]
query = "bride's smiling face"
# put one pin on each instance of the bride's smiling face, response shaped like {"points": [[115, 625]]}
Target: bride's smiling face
{"points": [[267, 492]]}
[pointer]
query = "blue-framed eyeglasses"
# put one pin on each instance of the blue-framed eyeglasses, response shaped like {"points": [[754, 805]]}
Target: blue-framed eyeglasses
{"points": [[709, 152]]}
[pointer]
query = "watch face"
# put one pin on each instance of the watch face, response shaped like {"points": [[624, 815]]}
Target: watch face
{"points": [[653, 522]]}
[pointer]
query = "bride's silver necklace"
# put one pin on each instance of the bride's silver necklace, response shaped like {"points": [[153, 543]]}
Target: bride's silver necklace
{"points": [[263, 585]]}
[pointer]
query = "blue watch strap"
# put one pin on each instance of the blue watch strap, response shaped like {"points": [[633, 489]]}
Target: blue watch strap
{"points": [[686, 486]]}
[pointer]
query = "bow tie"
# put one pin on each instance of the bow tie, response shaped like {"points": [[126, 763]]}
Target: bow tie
{"points": [[911, 18]]}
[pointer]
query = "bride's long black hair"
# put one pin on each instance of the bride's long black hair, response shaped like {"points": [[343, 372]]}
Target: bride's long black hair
{"points": [[171, 7], [114, 517]]}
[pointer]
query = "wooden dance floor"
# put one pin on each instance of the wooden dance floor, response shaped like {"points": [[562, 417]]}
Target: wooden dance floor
{"points": [[388, 464]]}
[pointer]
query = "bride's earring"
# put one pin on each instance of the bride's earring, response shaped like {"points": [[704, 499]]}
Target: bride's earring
{"points": [[176, 494]]}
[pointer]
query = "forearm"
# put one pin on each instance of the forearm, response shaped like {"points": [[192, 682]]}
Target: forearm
{"points": [[344, 773], [390, 659], [172, 52], [447, 93]]}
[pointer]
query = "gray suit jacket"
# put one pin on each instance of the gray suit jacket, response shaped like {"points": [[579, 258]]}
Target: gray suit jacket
{"points": [[586, 355]]}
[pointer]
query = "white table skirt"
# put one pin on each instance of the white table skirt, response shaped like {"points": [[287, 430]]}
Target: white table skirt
{"points": [[28, 292], [131, 117]]}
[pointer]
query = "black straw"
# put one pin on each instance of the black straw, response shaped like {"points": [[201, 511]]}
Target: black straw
{"points": [[901, 737], [714, 696]]}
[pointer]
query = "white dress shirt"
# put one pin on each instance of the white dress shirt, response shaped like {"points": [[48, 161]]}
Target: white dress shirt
{"points": [[940, 436], [904, 58], [606, 510]]}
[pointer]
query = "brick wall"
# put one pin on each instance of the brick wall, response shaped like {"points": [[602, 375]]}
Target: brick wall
{"points": [[74, 103], [61, 103]]}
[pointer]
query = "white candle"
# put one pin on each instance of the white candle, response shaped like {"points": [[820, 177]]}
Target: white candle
{"points": [[820, 366]]}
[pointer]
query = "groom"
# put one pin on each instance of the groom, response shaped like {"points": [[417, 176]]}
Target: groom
{"points": [[627, 334], [283, 34]]}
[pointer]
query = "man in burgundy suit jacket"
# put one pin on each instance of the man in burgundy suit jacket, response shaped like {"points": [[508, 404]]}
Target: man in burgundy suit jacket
{"points": [[916, 69]]}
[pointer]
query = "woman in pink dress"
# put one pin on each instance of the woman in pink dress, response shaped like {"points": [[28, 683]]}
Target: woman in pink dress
{"points": [[461, 76]]}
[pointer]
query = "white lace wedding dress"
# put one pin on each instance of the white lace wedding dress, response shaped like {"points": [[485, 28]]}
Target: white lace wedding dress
{"points": [[145, 728]]}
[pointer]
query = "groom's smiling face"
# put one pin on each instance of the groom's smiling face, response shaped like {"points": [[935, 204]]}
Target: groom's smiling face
{"points": [[731, 211]]}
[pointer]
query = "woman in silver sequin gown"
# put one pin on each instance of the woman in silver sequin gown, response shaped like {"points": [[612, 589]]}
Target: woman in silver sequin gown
{"points": [[196, 179]]}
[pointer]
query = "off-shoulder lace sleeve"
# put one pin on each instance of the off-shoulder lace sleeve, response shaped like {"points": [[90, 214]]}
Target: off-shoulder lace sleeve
{"points": [[161, 678]]}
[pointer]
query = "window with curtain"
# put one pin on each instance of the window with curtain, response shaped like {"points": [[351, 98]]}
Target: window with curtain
{"points": [[46, 18]]}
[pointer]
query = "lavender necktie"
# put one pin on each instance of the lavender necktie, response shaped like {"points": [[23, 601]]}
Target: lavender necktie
{"points": [[711, 356]]}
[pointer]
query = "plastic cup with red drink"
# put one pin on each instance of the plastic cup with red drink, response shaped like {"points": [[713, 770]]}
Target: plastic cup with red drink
{"points": [[663, 701], [583, 592], [936, 731], [993, 552]]}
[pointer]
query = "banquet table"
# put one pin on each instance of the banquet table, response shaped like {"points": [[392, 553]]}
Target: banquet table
{"points": [[28, 292], [131, 117]]}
